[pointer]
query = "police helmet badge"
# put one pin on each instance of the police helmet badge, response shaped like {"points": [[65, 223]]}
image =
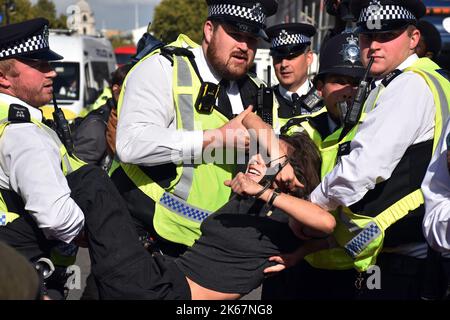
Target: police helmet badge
{"points": [[257, 11], [283, 35], [350, 50]]}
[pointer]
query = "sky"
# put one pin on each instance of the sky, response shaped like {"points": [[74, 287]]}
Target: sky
{"points": [[115, 14]]}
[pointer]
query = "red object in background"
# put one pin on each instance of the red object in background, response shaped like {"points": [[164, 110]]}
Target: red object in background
{"points": [[124, 54]]}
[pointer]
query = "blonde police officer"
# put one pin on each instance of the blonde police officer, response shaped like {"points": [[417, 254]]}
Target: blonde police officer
{"points": [[376, 185]]}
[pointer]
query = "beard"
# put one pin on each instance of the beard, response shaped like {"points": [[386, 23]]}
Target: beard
{"points": [[34, 97], [227, 69]]}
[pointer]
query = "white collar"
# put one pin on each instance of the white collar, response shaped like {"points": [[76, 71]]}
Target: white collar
{"points": [[304, 89], [408, 62], [405, 64], [203, 67], [35, 113], [208, 75]]}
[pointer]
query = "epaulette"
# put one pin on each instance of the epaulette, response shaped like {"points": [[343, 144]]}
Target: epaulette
{"points": [[390, 77], [18, 114]]}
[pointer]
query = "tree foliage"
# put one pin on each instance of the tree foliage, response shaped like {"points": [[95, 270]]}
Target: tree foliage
{"points": [[173, 17], [24, 10], [47, 9]]}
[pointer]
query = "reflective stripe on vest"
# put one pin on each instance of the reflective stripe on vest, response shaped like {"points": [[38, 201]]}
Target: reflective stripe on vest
{"points": [[186, 117], [360, 246], [198, 189]]}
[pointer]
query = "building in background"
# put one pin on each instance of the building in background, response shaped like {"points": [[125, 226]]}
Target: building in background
{"points": [[81, 18]]}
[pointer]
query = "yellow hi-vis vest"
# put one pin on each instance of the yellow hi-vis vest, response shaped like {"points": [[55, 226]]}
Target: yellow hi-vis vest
{"points": [[198, 190], [295, 124], [359, 237], [69, 164]]}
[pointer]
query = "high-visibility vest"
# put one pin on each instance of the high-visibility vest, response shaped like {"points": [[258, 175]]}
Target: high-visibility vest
{"points": [[197, 190], [69, 164], [360, 236], [296, 123]]}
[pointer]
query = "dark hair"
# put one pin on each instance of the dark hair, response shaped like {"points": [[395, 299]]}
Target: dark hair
{"points": [[305, 159], [118, 76]]}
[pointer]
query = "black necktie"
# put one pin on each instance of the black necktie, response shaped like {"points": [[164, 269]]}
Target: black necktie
{"points": [[224, 104], [296, 103], [295, 98]]}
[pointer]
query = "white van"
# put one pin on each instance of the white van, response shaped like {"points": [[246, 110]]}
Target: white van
{"points": [[83, 73]]}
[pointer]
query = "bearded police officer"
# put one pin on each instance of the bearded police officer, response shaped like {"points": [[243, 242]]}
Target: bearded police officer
{"points": [[176, 104], [376, 182]]}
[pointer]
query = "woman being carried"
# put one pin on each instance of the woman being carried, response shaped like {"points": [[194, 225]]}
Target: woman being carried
{"points": [[230, 257]]}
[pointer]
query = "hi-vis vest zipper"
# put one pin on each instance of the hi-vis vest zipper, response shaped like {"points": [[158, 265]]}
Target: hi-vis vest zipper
{"points": [[198, 189], [69, 164], [359, 237]]}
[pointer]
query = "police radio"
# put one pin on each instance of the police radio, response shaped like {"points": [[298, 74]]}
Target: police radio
{"points": [[354, 112], [207, 97], [265, 100], [62, 127]]}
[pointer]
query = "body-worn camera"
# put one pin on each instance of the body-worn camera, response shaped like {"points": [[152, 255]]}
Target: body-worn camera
{"points": [[207, 97], [312, 101]]}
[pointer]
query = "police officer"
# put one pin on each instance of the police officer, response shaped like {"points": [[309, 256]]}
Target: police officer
{"points": [[376, 183], [339, 74], [178, 104], [338, 77], [430, 43], [436, 190], [30, 157], [292, 56], [39, 217]]}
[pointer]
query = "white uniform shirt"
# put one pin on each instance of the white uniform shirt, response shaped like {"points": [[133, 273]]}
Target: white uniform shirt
{"points": [[404, 115], [146, 131], [30, 165], [304, 89], [436, 190]]}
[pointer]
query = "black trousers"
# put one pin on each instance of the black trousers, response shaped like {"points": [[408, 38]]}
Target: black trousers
{"points": [[401, 278], [24, 235], [303, 282], [121, 267]]}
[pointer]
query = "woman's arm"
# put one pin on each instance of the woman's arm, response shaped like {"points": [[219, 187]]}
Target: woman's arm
{"points": [[264, 134], [305, 212]]}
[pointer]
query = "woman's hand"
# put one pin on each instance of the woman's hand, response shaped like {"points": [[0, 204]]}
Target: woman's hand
{"points": [[285, 261], [243, 185]]}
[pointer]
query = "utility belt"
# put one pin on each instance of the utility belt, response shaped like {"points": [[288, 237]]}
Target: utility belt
{"points": [[431, 274], [155, 244]]}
